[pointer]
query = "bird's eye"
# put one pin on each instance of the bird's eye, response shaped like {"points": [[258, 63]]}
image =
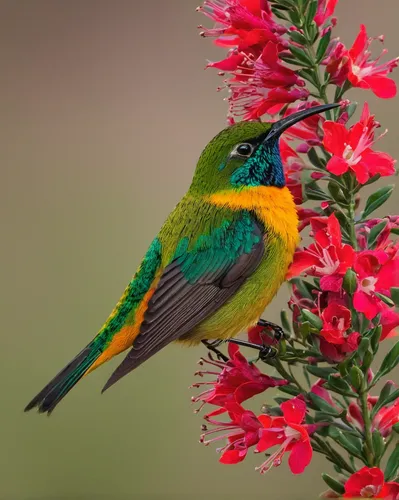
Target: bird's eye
{"points": [[244, 149]]}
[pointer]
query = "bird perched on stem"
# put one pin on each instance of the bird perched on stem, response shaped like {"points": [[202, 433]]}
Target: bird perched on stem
{"points": [[216, 263]]}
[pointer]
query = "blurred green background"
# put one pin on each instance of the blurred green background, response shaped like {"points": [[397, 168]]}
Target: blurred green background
{"points": [[105, 107]]}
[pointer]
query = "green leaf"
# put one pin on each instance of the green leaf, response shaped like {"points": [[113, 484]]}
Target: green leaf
{"points": [[377, 199], [294, 16], [314, 158], [385, 398], [312, 319], [314, 192], [395, 295], [350, 281], [322, 405], [357, 378], [385, 299], [304, 288], [367, 360], [308, 74], [391, 469], [339, 385], [323, 373], [375, 338], [333, 484], [289, 389], [278, 13], [336, 193], [390, 361], [375, 232], [351, 109], [285, 321], [279, 400], [363, 347], [350, 443], [378, 444], [312, 9], [297, 37], [322, 47], [301, 55]]}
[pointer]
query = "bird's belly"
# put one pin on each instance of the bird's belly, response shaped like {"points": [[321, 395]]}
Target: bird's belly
{"points": [[247, 305]]}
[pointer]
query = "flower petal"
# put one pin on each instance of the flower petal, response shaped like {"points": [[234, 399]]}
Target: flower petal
{"points": [[294, 410], [300, 456], [337, 165], [335, 137]]}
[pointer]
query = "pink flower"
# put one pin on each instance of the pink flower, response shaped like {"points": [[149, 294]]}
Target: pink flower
{"points": [[289, 434], [337, 62], [327, 257], [336, 321], [368, 74], [369, 483], [351, 149], [241, 433], [377, 271], [325, 9], [236, 381]]}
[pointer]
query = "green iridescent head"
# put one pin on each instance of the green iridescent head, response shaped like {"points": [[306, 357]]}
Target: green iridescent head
{"points": [[246, 154]]}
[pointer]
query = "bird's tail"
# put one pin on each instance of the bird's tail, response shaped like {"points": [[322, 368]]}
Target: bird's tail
{"points": [[62, 383]]}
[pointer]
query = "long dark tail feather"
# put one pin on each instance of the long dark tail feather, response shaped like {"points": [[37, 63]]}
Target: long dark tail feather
{"points": [[62, 383]]}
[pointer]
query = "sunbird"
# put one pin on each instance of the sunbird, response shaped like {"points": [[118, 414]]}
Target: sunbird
{"points": [[216, 263]]}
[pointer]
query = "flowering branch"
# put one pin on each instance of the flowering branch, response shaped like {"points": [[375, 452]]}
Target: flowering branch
{"points": [[282, 57]]}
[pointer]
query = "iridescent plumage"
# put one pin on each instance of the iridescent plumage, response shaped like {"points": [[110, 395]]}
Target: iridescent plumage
{"points": [[215, 265]]}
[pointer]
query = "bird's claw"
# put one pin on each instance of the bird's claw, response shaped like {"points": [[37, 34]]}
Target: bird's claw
{"points": [[266, 352], [278, 332]]}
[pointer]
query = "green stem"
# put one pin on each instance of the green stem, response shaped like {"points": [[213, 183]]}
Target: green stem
{"points": [[367, 427]]}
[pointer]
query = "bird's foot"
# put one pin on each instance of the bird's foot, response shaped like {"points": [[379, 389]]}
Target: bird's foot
{"points": [[213, 347], [278, 332], [265, 351]]}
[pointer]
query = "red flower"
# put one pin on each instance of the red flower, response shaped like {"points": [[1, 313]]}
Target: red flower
{"points": [[351, 149], [383, 239], [237, 381], [369, 483], [325, 9], [336, 321], [337, 62], [319, 390], [307, 130], [335, 353], [368, 74], [290, 434], [327, 257], [389, 321], [377, 271], [384, 419], [242, 433], [293, 167]]}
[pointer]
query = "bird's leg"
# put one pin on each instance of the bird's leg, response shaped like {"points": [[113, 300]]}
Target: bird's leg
{"points": [[265, 351], [213, 347], [278, 332]]}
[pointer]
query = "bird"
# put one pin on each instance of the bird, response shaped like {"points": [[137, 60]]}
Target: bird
{"points": [[214, 266]]}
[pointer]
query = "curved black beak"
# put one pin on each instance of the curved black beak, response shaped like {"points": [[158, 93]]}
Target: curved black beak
{"points": [[281, 126]]}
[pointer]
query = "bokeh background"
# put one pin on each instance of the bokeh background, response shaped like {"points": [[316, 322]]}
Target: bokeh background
{"points": [[105, 107]]}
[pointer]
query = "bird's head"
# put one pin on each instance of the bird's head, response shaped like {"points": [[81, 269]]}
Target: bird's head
{"points": [[246, 155]]}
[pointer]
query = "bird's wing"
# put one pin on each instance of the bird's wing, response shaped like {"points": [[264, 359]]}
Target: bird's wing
{"points": [[195, 284]]}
